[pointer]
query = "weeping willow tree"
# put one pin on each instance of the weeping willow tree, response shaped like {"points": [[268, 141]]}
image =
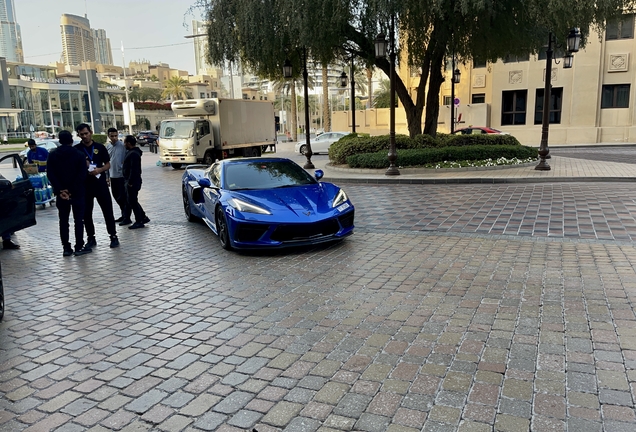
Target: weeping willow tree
{"points": [[264, 33]]}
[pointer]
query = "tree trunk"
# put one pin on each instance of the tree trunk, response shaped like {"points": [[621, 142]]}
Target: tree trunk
{"points": [[434, 85], [326, 114], [294, 112], [370, 87]]}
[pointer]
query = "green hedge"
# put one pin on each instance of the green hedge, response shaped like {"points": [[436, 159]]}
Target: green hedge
{"points": [[351, 145], [418, 157]]}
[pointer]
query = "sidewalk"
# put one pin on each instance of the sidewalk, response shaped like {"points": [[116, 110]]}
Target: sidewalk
{"points": [[564, 169]]}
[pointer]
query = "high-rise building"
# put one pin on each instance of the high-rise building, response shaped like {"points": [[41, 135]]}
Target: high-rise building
{"points": [[103, 53], [77, 40], [10, 38], [199, 35]]}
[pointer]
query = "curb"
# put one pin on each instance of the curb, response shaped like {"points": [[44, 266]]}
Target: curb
{"points": [[477, 180]]}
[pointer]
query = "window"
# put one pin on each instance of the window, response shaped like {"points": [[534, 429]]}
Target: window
{"points": [[516, 58], [478, 98], [513, 107], [202, 95], [615, 96], [556, 96], [479, 63], [447, 100], [620, 28]]}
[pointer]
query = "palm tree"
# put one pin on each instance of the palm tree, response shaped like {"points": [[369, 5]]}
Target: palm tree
{"points": [[288, 86], [382, 96], [175, 88]]}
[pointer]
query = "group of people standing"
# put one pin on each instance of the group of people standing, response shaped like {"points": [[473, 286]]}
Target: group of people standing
{"points": [[82, 173]]}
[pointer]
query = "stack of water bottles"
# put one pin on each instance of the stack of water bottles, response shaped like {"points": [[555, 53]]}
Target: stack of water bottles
{"points": [[42, 189]]}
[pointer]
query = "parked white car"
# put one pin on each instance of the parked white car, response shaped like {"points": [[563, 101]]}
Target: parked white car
{"points": [[321, 143]]}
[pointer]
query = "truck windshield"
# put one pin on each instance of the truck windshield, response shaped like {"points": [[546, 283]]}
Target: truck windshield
{"points": [[177, 129]]}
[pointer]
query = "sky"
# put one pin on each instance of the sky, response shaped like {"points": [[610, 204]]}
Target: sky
{"points": [[151, 30]]}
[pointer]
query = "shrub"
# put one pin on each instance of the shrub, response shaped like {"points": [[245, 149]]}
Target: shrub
{"points": [[356, 144], [419, 157]]}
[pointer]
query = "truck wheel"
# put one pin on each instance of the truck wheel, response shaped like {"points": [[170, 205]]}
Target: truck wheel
{"points": [[222, 230], [176, 165], [208, 159]]}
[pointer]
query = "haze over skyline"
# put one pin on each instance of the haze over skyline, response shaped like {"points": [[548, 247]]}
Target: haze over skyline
{"points": [[151, 30]]}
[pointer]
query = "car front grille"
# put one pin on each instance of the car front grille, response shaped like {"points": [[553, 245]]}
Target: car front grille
{"points": [[300, 232]]}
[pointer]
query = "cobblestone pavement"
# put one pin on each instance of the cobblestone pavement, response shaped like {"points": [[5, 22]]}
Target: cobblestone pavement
{"points": [[621, 154], [452, 308]]}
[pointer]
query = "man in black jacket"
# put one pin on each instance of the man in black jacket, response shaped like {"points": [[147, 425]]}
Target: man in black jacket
{"points": [[132, 177], [98, 164], [66, 170]]}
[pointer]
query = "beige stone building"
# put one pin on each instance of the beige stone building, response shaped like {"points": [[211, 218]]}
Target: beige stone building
{"points": [[591, 103]]}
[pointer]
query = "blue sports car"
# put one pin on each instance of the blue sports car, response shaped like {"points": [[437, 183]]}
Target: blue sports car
{"points": [[265, 203]]}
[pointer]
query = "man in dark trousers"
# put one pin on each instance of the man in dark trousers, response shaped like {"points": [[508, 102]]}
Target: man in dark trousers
{"points": [[117, 151], [132, 177], [66, 170], [98, 163]]}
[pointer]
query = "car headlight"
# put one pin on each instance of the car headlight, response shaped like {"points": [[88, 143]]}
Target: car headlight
{"points": [[243, 206], [341, 197]]}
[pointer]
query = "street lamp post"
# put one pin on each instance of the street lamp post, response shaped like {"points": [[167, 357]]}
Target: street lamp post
{"points": [[352, 101], [123, 59], [454, 80], [287, 73], [380, 51], [573, 42]]}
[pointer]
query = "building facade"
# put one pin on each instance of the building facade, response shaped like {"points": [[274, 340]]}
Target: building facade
{"points": [[77, 40], [103, 52], [10, 37]]}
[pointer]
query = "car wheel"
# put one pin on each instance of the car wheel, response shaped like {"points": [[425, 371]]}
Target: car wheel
{"points": [[303, 149], [187, 207], [176, 165], [208, 159], [222, 229]]}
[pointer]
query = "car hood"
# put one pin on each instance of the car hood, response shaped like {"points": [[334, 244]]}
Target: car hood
{"points": [[297, 200]]}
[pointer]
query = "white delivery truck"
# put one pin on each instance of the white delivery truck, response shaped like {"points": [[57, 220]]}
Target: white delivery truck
{"points": [[209, 129]]}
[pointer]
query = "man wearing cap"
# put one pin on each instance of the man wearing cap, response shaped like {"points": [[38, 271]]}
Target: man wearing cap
{"points": [[66, 170], [37, 155]]}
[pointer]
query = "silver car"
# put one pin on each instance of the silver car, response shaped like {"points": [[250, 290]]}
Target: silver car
{"points": [[321, 143]]}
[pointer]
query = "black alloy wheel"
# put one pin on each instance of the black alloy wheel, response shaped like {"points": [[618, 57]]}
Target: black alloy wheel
{"points": [[222, 230]]}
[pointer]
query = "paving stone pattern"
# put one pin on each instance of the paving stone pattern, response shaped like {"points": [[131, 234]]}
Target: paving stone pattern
{"points": [[452, 308]]}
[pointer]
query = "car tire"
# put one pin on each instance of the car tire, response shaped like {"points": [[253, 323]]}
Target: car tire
{"points": [[222, 230], [187, 208], [175, 165], [303, 149]]}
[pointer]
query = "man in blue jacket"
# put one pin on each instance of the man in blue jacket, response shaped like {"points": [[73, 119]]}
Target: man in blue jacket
{"points": [[67, 174], [37, 155]]}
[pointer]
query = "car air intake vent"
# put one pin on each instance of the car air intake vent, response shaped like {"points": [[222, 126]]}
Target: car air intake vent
{"points": [[346, 220], [291, 232], [250, 232]]}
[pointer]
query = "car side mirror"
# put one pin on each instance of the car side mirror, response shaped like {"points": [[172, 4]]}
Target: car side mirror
{"points": [[319, 174], [204, 182]]}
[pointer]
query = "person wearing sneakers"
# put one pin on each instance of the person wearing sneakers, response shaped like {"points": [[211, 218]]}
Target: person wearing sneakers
{"points": [[66, 170], [97, 163], [132, 177], [117, 151]]}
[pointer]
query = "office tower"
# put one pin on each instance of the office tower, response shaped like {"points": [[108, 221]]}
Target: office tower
{"points": [[199, 35], [77, 40], [10, 38], [103, 53]]}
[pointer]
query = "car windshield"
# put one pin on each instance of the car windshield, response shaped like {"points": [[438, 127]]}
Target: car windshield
{"points": [[177, 129], [265, 175]]}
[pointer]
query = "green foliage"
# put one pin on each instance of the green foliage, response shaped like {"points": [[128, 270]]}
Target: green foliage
{"points": [[100, 138], [419, 157], [382, 96], [355, 144]]}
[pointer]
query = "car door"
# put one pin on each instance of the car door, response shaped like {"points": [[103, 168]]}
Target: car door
{"points": [[321, 143], [17, 200]]}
